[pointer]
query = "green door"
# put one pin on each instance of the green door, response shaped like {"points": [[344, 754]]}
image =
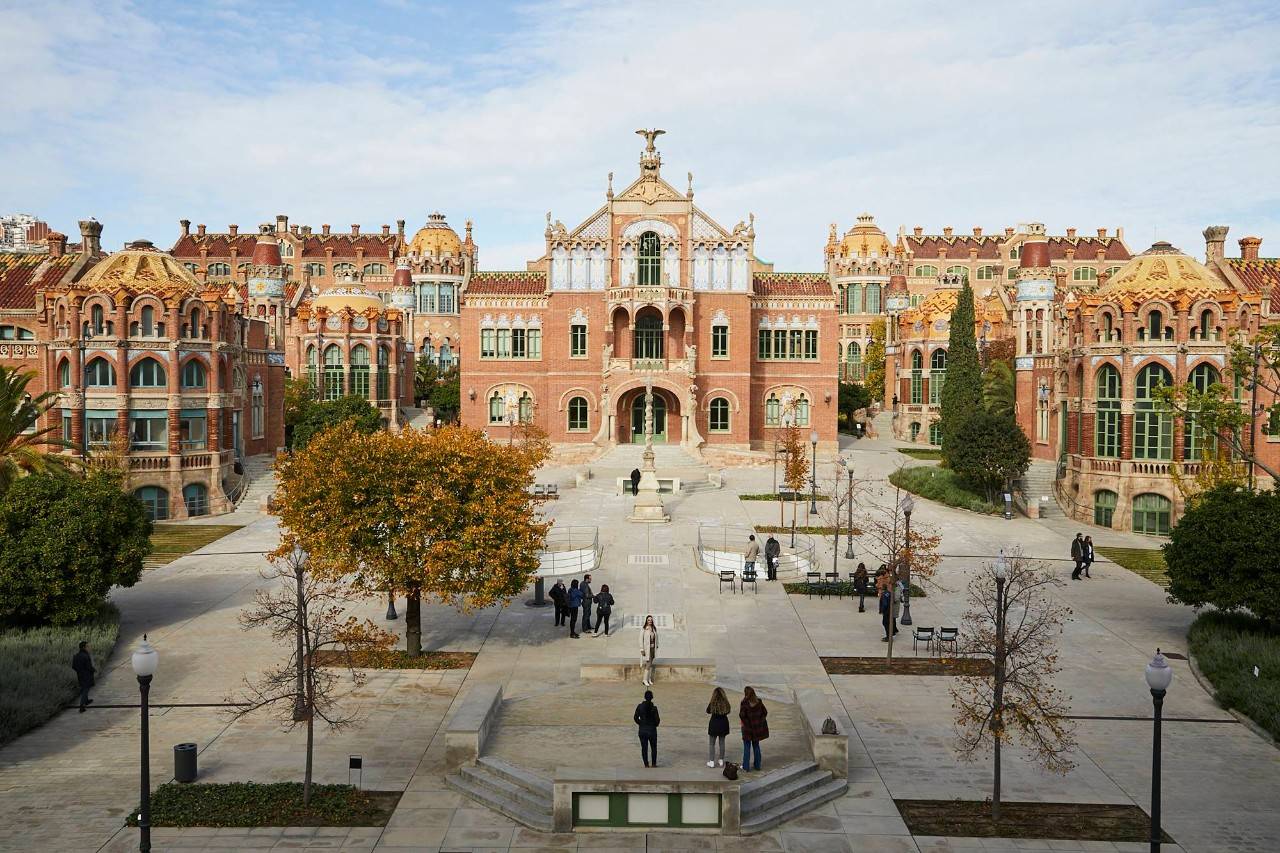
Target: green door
{"points": [[659, 419]]}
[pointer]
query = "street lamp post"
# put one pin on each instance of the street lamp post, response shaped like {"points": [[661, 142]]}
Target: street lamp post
{"points": [[1159, 676], [145, 661], [298, 563], [813, 473], [997, 716], [908, 504], [848, 551], [511, 427]]}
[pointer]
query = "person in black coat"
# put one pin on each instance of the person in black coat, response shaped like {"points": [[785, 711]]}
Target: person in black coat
{"points": [[604, 606], [772, 550], [647, 720], [635, 481], [718, 725], [559, 597], [82, 663]]}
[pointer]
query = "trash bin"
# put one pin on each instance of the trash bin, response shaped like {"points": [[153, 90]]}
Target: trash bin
{"points": [[184, 762]]}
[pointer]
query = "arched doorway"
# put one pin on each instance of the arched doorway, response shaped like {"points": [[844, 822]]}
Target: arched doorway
{"points": [[659, 419]]}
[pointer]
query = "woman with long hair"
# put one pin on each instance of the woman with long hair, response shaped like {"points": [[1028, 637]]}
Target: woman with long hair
{"points": [[755, 727], [718, 725], [648, 648], [604, 606]]}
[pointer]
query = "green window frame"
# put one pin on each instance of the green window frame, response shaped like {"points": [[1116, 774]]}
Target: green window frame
{"points": [[764, 345], [334, 377], [519, 339], [797, 344], [360, 370], [1104, 507], [811, 344], [1084, 274], [720, 341], [1195, 441], [193, 429], [802, 411], [648, 337], [937, 376], [525, 409], [497, 413], [1106, 423], [957, 269], [925, 271], [578, 416], [578, 340], [196, 498], [1152, 514], [448, 303], [779, 343], [193, 374], [649, 262], [488, 344], [773, 411], [917, 379], [935, 434], [149, 430], [1152, 421], [873, 299], [718, 415], [147, 373], [504, 343], [99, 426], [853, 299], [155, 502]]}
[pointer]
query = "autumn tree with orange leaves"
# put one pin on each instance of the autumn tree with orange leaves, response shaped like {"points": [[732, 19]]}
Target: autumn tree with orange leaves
{"points": [[445, 514]]}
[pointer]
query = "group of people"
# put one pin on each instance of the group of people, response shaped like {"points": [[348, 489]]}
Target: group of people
{"points": [[579, 597], [753, 719], [1082, 554], [772, 551]]}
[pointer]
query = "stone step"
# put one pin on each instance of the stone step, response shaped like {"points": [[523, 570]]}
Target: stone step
{"points": [[755, 786], [503, 789], [772, 795], [526, 779], [760, 821], [505, 806]]}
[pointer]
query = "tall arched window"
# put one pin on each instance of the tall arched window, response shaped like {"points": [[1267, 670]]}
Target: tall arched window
{"points": [[155, 502], [193, 374], [1152, 420], [578, 415], [258, 411], [935, 434], [1152, 514], [97, 321], [1106, 424], [718, 419], [360, 370], [333, 372], [1107, 333], [1104, 507], [1207, 332], [1155, 325], [649, 263], [526, 408], [64, 373], [854, 369], [1195, 441], [802, 411], [384, 373], [195, 329], [773, 411], [917, 378], [648, 337], [196, 497], [99, 373], [446, 356], [497, 413], [312, 376], [873, 299], [147, 373], [937, 375], [145, 325]]}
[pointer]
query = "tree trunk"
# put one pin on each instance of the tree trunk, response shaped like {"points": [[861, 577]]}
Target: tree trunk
{"points": [[995, 790], [413, 621], [893, 598], [311, 721]]}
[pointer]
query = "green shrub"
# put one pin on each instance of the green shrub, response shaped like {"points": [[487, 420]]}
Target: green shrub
{"points": [[36, 678], [989, 452], [1227, 646], [315, 416], [941, 485], [843, 588], [785, 496], [921, 452], [64, 543], [267, 804]]}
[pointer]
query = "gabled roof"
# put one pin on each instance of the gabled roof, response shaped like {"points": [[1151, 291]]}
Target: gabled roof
{"points": [[1259, 275], [312, 246], [507, 283], [22, 274], [957, 246], [792, 284], [1087, 248]]}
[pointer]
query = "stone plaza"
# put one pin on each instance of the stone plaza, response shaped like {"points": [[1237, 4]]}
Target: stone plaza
{"points": [[68, 785]]}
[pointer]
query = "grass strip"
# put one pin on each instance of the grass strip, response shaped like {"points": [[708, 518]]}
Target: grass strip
{"points": [[1067, 821], [1144, 562], [941, 485], [1227, 647], [267, 804], [171, 541], [396, 659]]}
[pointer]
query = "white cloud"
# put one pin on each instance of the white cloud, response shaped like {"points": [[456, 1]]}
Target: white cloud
{"points": [[1143, 115]]}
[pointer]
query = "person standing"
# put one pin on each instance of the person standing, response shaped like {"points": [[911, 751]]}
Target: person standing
{"points": [[560, 598], [860, 581], [718, 725], [1088, 555], [753, 553], [648, 648], [755, 727], [82, 663], [574, 603], [772, 550], [587, 598], [888, 608], [604, 606], [647, 721], [635, 481], [1077, 554]]}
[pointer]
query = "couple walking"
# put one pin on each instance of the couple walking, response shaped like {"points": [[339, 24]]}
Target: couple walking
{"points": [[579, 597], [1082, 554], [752, 717]]}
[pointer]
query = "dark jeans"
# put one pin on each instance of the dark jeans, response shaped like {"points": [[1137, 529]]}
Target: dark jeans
{"points": [[1087, 563], [586, 615], [560, 614], [772, 564], [649, 743], [862, 601], [635, 487], [1075, 575], [573, 620], [602, 618], [84, 694], [884, 620], [750, 747]]}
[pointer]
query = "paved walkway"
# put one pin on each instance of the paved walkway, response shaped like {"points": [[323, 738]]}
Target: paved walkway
{"points": [[67, 786]]}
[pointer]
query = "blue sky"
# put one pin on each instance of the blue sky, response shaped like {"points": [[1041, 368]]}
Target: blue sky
{"points": [[1159, 117]]}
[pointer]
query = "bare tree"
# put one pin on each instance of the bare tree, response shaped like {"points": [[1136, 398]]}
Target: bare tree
{"points": [[796, 468], [309, 615], [1012, 622]]}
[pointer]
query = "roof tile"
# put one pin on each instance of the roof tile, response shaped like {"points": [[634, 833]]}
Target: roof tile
{"points": [[22, 274], [515, 283], [792, 284]]}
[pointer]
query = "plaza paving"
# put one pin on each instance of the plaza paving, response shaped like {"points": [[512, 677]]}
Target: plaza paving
{"points": [[67, 785]]}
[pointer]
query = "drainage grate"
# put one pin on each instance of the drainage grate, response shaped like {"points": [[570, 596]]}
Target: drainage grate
{"points": [[649, 560], [662, 620]]}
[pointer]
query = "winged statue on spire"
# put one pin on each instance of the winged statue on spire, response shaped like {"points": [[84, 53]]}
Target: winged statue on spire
{"points": [[649, 136]]}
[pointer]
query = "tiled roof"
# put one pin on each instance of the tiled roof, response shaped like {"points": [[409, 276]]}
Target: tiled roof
{"points": [[1260, 275], [792, 284], [1087, 248], [957, 247], [376, 246], [21, 274], [515, 283]]}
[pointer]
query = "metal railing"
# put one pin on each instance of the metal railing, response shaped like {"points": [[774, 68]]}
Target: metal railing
{"points": [[722, 547], [562, 550]]}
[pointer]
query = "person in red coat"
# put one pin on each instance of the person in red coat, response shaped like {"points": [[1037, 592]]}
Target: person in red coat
{"points": [[755, 727]]}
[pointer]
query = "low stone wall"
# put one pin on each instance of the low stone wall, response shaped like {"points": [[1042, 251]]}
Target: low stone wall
{"points": [[464, 738], [666, 485], [632, 669], [830, 752], [661, 781]]}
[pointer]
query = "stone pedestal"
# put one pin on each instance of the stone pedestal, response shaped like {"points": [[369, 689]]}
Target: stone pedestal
{"points": [[648, 508]]}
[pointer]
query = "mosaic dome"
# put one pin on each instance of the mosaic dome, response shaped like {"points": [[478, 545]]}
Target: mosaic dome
{"points": [[1163, 272], [436, 238], [141, 268]]}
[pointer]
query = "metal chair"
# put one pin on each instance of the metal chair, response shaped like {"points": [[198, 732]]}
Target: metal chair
{"points": [[948, 635], [553, 490], [749, 577], [539, 490], [811, 580], [727, 576], [833, 583], [919, 635]]}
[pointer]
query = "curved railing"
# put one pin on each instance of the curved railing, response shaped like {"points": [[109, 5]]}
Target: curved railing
{"points": [[722, 547], [570, 550]]}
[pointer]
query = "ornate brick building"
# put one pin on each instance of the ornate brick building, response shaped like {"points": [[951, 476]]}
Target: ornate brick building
{"points": [[649, 288]]}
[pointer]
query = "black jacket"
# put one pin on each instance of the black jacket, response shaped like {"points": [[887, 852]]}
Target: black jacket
{"points": [[718, 725], [646, 715], [772, 548], [83, 665], [604, 601], [558, 594]]}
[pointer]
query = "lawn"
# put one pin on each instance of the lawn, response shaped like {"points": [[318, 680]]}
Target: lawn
{"points": [[1227, 647], [1144, 562], [171, 541], [941, 485], [921, 452], [1073, 821], [267, 804], [786, 497], [36, 679]]}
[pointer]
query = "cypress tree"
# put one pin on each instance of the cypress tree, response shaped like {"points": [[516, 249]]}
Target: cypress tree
{"points": [[962, 393]]}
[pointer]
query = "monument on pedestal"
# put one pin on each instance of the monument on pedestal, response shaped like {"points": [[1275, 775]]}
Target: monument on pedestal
{"points": [[648, 507]]}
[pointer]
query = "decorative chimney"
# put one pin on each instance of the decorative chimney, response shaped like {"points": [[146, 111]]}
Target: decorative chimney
{"points": [[324, 229], [386, 230], [918, 231], [1249, 247], [1071, 233], [1008, 231], [1102, 232], [57, 242], [1215, 241], [90, 237], [946, 232], [400, 229], [282, 223], [233, 229], [355, 229], [186, 227], [977, 232], [200, 229]]}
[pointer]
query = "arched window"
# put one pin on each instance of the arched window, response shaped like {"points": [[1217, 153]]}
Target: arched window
{"points": [[64, 373], [648, 337], [1112, 271], [915, 430], [1152, 514], [1195, 442], [853, 365], [718, 420], [155, 502], [1152, 420], [578, 415], [935, 434], [313, 269], [286, 249], [1107, 333], [196, 497], [333, 373], [956, 269], [1155, 325], [191, 268], [497, 411], [374, 269], [1015, 252], [99, 373], [526, 408], [873, 299], [145, 326], [360, 370], [986, 273], [937, 375], [1104, 507], [193, 374], [258, 410], [147, 373], [1059, 270], [343, 270], [773, 411], [649, 263], [802, 411], [926, 270], [1084, 274], [1106, 425], [97, 321], [1207, 330], [578, 340], [917, 378], [384, 373], [219, 270], [446, 356], [195, 329]]}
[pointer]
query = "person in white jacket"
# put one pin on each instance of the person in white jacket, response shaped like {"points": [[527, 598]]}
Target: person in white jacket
{"points": [[648, 648]]}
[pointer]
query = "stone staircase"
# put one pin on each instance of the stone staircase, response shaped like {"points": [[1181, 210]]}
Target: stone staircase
{"points": [[671, 460], [259, 473], [416, 418], [1038, 483], [517, 793], [783, 794]]}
